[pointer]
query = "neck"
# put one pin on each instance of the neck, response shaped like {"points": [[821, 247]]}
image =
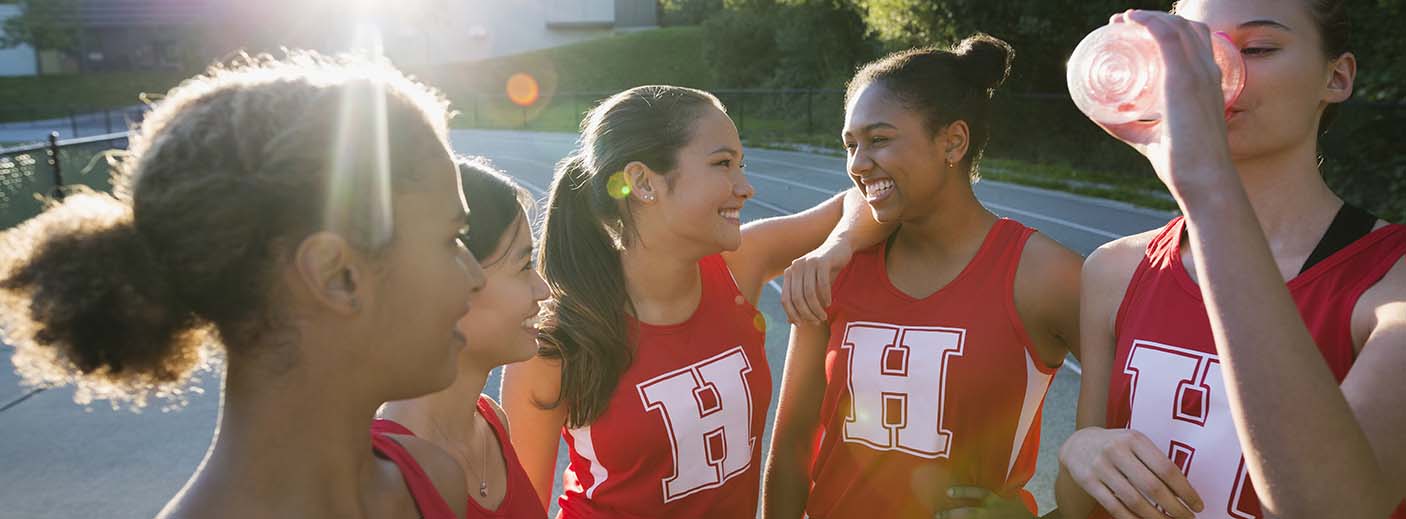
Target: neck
{"points": [[298, 447], [663, 286], [1292, 203], [956, 226], [447, 417]]}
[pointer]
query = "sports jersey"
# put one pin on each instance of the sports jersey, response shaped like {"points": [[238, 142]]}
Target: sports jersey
{"points": [[1167, 381], [519, 499], [923, 394], [682, 434]]}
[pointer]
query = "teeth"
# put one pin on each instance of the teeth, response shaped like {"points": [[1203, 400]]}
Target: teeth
{"points": [[878, 187], [731, 213]]}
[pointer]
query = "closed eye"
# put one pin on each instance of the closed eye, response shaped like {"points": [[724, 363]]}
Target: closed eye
{"points": [[1257, 51]]}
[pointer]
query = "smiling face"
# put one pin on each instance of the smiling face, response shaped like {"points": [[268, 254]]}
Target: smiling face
{"points": [[699, 204], [1289, 78], [502, 329], [892, 156]]}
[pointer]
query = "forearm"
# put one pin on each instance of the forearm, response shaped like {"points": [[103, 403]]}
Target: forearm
{"points": [[1071, 499], [857, 227], [786, 486], [1287, 406]]}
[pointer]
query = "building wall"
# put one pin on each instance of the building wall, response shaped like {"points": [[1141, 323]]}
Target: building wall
{"points": [[18, 61], [447, 31]]}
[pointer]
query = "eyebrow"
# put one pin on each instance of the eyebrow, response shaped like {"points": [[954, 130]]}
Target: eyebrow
{"points": [[1265, 23], [525, 252], [874, 126], [727, 149]]}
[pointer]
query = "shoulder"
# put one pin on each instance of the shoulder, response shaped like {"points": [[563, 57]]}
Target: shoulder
{"points": [[1045, 261], [1115, 261], [1383, 305], [497, 410], [445, 473]]}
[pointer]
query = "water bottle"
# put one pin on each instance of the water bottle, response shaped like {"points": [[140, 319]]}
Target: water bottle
{"points": [[1115, 74]]}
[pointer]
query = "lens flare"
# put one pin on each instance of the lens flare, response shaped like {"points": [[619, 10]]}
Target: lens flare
{"points": [[617, 187], [523, 89]]}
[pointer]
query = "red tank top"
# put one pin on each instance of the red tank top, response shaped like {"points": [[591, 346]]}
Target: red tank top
{"points": [[681, 436], [922, 394], [520, 499], [1167, 382], [427, 498]]}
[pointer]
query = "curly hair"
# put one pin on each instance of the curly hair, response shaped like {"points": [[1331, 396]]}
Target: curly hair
{"points": [[121, 294]]}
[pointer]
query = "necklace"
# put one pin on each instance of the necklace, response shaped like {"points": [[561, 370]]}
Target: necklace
{"points": [[468, 461]]}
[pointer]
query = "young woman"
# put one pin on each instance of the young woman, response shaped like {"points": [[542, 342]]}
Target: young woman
{"points": [[942, 341], [501, 330], [248, 217], [1261, 337], [656, 364]]}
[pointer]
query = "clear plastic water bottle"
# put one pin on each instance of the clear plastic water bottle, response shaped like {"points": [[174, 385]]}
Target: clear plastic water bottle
{"points": [[1115, 74]]}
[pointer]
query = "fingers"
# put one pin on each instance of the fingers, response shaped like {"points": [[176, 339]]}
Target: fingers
{"points": [[1131, 499], [968, 492], [1109, 502], [788, 286], [962, 513], [814, 278], [1168, 473], [1145, 489]]}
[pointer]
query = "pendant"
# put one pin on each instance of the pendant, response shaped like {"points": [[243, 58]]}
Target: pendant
{"points": [[483, 488]]}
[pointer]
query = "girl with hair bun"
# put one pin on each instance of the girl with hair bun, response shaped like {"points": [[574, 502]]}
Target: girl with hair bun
{"points": [[302, 218], [922, 392]]}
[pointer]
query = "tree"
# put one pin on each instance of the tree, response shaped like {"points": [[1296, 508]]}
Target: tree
{"points": [[44, 25]]}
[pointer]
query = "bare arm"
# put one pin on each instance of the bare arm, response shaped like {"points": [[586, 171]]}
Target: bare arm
{"points": [[770, 246], [1299, 431], [1116, 469], [536, 431], [786, 483]]}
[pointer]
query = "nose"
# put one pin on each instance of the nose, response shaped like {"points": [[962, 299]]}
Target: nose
{"points": [[859, 163], [477, 279], [743, 189], [540, 290]]}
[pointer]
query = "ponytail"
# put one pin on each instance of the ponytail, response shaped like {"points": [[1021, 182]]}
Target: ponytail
{"points": [[581, 262]]}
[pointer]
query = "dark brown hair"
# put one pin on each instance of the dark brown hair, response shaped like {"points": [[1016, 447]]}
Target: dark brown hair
{"points": [[496, 202], [945, 85], [588, 221], [121, 293]]}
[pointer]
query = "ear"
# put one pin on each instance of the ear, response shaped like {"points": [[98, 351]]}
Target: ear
{"points": [[1342, 73], [642, 184], [953, 141], [328, 270]]}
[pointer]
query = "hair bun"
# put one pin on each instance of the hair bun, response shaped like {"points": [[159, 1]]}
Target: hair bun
{"points": [[985, 60]]}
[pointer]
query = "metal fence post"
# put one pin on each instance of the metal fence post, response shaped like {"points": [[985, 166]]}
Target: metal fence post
{"points": [[107, 119], [54, 163], [741, 113], [73, 121], [810, 116]]}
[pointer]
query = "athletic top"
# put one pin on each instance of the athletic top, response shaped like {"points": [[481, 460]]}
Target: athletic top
{"points": [[681, 435], [923, 394], [520, 499], [1167, 381], [427, 498]]}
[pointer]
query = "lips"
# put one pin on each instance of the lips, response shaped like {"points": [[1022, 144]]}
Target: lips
{"points": [[731, 213], [876, 189]]}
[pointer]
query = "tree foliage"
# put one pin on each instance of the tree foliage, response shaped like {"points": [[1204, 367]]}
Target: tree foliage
{"points": [[44, 25]]}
